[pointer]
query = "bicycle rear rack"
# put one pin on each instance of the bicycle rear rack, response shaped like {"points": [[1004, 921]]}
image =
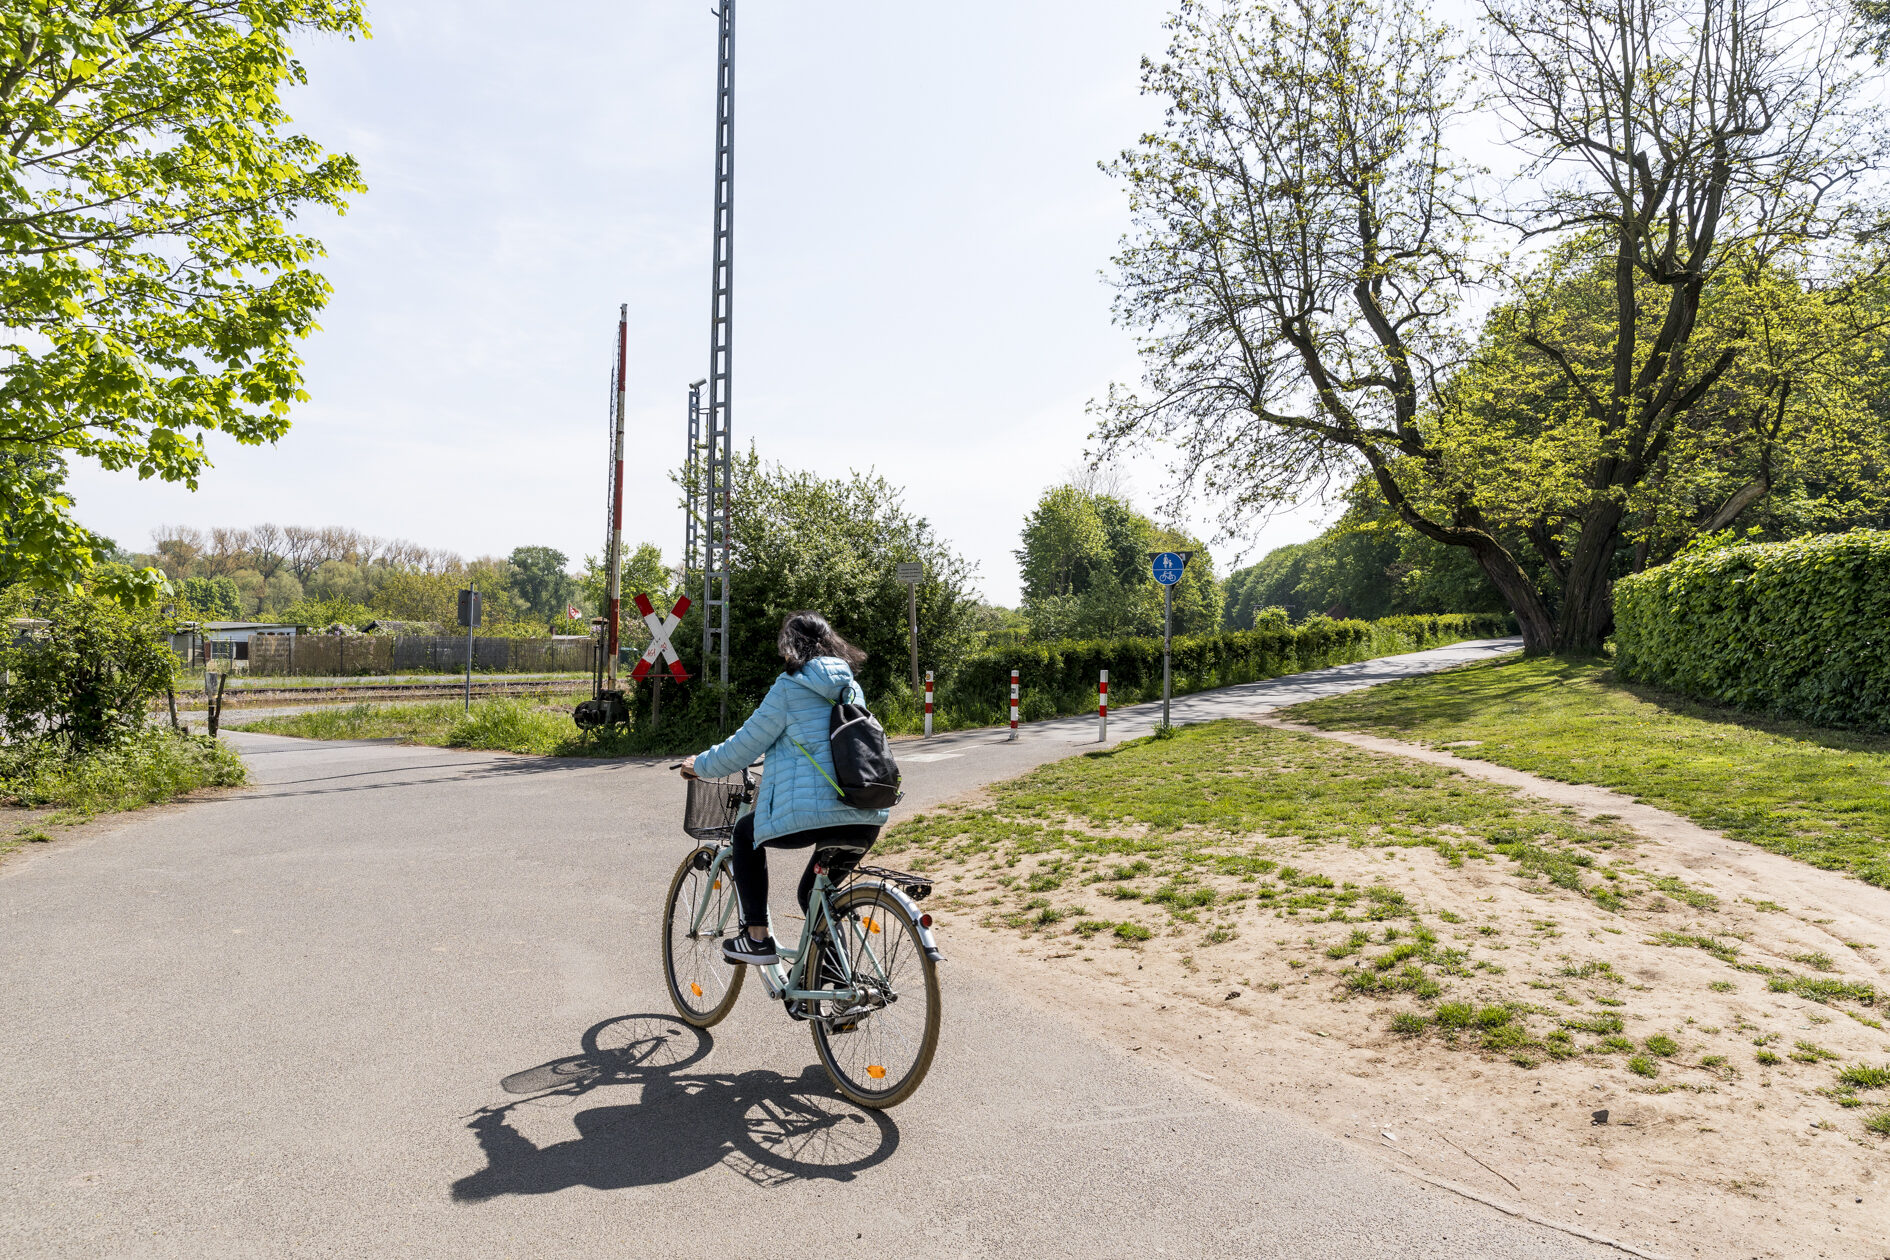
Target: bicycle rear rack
{"points": [[917, 887]]}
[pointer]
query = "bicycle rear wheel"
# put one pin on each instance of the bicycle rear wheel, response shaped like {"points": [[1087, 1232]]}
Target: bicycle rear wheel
{"points": [[878, 1056], [702, 985]]}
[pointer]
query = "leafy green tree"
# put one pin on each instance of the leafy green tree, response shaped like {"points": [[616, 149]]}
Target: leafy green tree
{"points": [[540, 580], [209, 599], [808, 542], [151, 289], [1304, 250], [1085, 564]]}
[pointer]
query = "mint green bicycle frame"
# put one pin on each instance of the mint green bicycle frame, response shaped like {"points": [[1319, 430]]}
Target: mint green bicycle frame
{"points": [[778, 975]]}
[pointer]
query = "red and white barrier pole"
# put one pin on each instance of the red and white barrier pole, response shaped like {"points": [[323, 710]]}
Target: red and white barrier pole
{"points": [[613, 593], [1013, 704], [1102, 709], [928, 704]]}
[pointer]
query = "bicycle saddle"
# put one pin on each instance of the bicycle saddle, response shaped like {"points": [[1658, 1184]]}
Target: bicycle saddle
{"points": [[828, 854]]}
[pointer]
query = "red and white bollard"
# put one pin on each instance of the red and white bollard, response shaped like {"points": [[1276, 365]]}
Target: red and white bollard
{"points": [[928, 704], [1102, 709], [1013, 704]]}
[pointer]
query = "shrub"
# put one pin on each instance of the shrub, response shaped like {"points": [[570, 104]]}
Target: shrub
{"points": [[145, 768], [86, 678], [1792, 628]]}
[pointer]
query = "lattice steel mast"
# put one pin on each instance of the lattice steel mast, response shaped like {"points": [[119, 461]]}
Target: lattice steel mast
{"points": [[718, 461]]}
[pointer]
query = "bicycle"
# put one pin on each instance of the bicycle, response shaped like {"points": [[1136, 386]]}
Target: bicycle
{"points": [[864, 975]]}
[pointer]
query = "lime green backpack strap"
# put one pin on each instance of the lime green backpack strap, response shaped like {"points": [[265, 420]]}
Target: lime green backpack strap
{"points": [[817, 770]]}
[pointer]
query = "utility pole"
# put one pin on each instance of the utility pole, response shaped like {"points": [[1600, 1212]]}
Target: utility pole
{"points": [[719, 460]]}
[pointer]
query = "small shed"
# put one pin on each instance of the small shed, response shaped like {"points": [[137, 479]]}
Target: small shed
{"points": [[238, 634]]}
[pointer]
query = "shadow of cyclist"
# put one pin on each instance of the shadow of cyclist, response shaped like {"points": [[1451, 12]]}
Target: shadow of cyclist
{"points": [[765, 1126]]}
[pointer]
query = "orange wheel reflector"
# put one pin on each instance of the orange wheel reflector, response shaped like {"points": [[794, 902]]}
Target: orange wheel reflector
{"points": [[871, 926], [877, 1072], [695, 988], [717, 885]]}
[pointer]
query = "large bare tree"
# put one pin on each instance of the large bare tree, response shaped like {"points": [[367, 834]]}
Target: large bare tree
{"points": [[1302, 254]]}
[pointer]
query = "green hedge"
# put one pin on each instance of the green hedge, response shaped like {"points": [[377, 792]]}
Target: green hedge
{"points": [[1799, 628], [1059, 678]]}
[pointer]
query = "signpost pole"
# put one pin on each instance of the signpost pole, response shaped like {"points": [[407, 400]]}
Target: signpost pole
{"points": [[912, 572], [1102, 709], [472, 618], [1168, 567], [1168, 631], [912, 628]]}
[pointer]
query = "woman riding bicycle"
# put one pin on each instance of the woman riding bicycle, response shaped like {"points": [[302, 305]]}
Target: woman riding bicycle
{"points": [[796, 805]]}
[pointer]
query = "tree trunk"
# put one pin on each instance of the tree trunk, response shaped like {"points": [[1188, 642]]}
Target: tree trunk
{"points": [[1532, 616], [1587, 592]]}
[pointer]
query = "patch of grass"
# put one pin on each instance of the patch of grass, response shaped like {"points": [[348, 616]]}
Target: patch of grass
{"points": [[1573, 720], [1614, 1045], [1641, 1065], [1599, 1024], [1455, 1016], [1878, 1124], [1722, 986], [1861, 1076], [152, 766], [1722, 950], [1132, 932], [539, 725], [1819, 961], [1767, 1058], [1823, 989], [1089, 927], [1661, 1044], [1809, 1053], [1682, 892], [1409, 1024]]}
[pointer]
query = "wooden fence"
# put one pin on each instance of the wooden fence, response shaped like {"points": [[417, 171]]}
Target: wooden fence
{"points": [[333, 655]]}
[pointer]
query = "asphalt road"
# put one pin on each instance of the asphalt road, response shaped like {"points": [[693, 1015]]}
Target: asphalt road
{"points": [[398, 1001]]}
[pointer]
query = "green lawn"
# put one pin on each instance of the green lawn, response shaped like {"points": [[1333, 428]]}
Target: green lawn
{"points": [[1819, 795], [1231, 812]]}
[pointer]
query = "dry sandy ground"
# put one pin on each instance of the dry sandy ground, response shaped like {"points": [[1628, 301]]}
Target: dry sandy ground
{"points": [[1719, 1155]]}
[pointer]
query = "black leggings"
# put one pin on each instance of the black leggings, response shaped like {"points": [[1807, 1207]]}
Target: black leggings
{"points": [[750, 864]]}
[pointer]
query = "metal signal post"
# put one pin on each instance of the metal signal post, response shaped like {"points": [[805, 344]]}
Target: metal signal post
{"points": [[718, 457], [613, 551]]}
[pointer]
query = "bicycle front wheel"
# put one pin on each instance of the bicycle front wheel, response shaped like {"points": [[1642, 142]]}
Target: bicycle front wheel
{"points": [[879, 1052], [702, 985]]}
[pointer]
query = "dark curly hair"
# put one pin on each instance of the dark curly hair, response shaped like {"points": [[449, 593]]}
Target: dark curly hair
{"points": [[806, 635]]}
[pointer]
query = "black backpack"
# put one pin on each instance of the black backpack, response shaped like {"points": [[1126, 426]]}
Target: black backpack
{"points": [[864, 772]]}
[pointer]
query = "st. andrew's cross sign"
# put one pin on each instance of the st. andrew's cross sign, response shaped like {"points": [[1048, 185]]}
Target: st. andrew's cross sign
{"points": [[661, 628]]}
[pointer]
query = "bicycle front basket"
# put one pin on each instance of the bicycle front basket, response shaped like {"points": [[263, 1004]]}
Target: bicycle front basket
{"points": [[712, 808]]}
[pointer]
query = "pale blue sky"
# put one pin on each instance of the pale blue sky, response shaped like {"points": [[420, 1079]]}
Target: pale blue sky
{"points": [[921, 228]]}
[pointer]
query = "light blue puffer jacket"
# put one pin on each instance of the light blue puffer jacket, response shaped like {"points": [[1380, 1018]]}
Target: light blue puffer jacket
{"points": [[793, 797]]}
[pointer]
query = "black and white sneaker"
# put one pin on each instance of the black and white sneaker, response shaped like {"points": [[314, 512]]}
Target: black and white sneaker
{"points": [[743, 948]]}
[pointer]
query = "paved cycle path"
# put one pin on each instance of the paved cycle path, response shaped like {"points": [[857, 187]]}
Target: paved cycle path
{"points": [[395, 1001]]}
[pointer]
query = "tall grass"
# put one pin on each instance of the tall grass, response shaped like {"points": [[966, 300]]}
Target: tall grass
{"points": [[152, 766]]}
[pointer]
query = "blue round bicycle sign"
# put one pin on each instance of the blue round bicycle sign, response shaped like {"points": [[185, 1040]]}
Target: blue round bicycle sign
{"points": [[1168, 566]]}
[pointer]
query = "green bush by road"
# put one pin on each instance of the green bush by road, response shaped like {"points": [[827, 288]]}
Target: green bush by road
{"points": [[1793, 628], [1059, 678], [1814, 794]]}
